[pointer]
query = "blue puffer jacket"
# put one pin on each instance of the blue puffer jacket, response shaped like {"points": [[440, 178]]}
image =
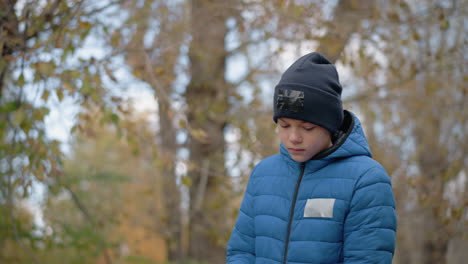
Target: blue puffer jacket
{"points": [[335, 208]]}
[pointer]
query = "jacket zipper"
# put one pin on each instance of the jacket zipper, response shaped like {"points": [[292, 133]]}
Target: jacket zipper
{"points": [[291, 213]]}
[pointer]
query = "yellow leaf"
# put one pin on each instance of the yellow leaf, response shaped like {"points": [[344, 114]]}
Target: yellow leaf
{"points": [[21, 80], [73, 129], [137, 74], [115, 38], [199, 134], [45, 95], [18, 117], [40, 113], [60, 94], [182, 124], [186, 181], [84, 24], [68, 87], [159, 70]]}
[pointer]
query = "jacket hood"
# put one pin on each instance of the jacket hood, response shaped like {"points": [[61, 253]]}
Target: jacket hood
{"points": [[351, 141]]}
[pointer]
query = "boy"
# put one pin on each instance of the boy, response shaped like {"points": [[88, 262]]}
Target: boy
{"points": [[322, 199]]}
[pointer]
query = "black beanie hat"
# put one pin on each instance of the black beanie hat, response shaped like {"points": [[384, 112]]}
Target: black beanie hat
{"points": [[310, 90]]}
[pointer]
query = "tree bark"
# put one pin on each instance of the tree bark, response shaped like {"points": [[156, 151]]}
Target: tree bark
{"points": [[430, 188], [171, 191], [169, 219], [207, 101]]}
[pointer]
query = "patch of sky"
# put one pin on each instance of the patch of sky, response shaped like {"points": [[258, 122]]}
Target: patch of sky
{"points": [[455, 188], [232, 37], [181, 137], [151, 33], [182, 75], [328, 7], [236, 68], [181, 168], [183, 153], [236, 158]]}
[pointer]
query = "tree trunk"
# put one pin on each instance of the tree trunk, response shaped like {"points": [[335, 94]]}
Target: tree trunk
{"points": [[148, 61], [432, 161], [207, 101], [172, 214]]}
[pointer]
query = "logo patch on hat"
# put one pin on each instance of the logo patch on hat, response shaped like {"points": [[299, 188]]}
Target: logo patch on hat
{"points": [[291, 100]]}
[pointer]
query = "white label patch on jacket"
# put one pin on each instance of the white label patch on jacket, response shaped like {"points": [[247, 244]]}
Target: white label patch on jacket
{"points": [[320, 207]]}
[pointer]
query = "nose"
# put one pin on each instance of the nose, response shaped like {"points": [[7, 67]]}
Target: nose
{"points": [[295, 137]]}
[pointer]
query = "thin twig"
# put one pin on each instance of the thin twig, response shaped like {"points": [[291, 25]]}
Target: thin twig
{"points": [[90, 219], [202, 186], [153, 80]]}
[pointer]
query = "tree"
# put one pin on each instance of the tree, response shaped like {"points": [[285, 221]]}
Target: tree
{"points": [[155, 62], [413, 74], [38, 65], [103, 208]]}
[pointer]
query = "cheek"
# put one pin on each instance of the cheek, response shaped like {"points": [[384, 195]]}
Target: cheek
{"points": [[282, 135], [317, 141], [313, 145]]}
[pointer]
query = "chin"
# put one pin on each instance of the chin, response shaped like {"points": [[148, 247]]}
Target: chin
{"points": [[299, 159]]}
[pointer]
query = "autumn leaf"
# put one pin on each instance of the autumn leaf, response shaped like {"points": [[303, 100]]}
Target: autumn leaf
{"points": [[186, 181], [45, 95], [18, 117]]}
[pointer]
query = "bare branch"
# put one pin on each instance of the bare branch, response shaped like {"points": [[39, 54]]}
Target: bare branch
{"points": [[254, 70], [347, 18], [201, 186], [90, 219]]}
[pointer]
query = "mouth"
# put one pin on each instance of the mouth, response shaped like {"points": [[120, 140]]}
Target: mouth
{"points": [[295, 150]]}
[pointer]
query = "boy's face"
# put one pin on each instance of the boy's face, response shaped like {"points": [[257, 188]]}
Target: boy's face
{"points": [[302, 139]]}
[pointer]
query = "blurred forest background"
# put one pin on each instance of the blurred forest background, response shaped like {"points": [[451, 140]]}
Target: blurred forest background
{"points": [[166, 107]]}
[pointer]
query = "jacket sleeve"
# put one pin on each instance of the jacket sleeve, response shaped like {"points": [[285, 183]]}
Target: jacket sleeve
{"points": [[241, 246], [370, 226]]}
